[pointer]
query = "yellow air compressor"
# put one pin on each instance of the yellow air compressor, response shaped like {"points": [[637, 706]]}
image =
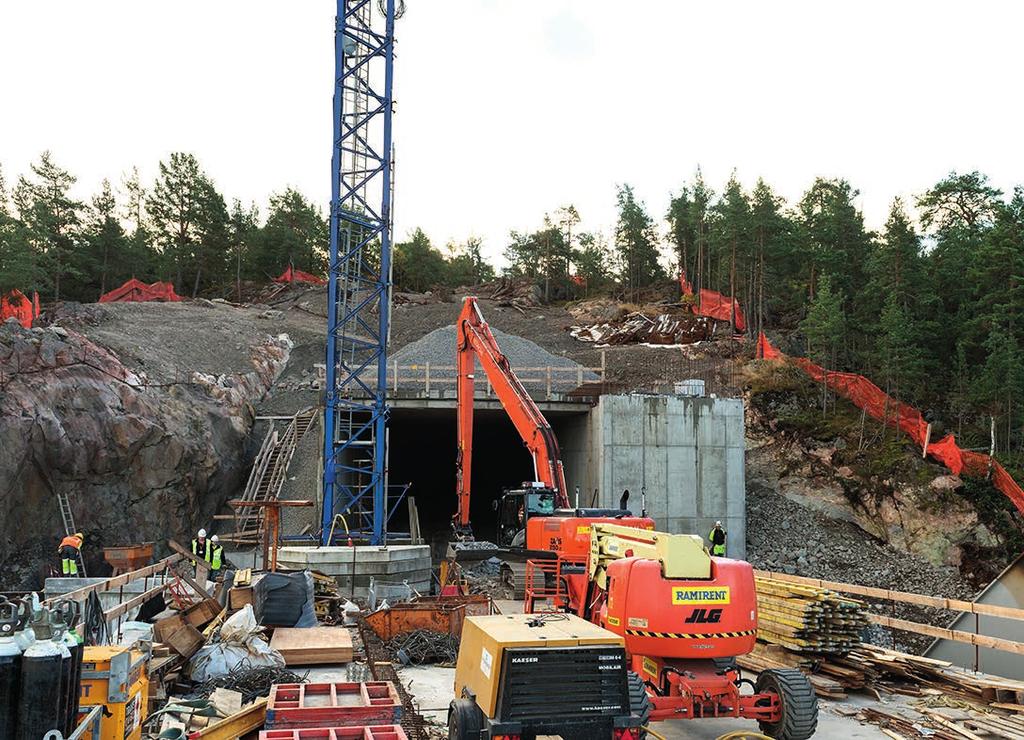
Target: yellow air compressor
{"points": [[116, 678]]}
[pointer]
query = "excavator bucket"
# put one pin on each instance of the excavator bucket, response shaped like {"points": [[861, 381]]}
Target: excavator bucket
{"points": [[472, 551]]}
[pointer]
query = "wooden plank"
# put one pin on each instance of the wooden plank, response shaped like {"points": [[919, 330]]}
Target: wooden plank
{"points": [[956, 605], [117, 611], [313, 645], [250, 718], [110, 584]]}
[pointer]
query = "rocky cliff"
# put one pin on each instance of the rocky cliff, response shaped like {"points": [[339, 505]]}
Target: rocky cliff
{"points": [[141, 454]]}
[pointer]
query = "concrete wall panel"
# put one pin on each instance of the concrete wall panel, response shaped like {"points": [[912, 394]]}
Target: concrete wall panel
{"points": [[688, 452]]}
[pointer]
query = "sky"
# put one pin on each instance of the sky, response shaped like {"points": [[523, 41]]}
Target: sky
{"points": [[509, 109]]}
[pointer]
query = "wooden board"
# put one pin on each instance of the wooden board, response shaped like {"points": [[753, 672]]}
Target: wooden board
{"points": [[313, 645]]}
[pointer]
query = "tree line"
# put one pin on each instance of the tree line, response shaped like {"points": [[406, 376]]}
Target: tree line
{"points": [[931, 307], [179, 228]]}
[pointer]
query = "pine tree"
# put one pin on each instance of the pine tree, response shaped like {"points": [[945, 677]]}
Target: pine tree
{"points": [[296, 233], [51, 218], [177, 206], [825, 328], [769, 229], [635, 244], [731, 232], [245, 239], [108, 245], [142, 257]]}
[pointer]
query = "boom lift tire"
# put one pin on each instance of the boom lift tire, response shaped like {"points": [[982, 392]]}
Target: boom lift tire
{"points": [[639, 702], [465, 720], [799, 705]]}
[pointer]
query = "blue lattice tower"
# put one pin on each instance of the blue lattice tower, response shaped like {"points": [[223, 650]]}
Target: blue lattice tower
{"points": [[358, 303]]}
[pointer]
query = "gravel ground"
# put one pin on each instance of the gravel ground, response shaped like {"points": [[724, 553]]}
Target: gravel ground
{"points": [[170, 340]]}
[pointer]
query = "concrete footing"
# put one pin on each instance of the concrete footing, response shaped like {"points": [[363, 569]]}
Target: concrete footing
{"points": [[353, 567]]}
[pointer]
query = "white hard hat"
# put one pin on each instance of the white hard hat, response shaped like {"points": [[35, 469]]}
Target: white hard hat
{"points": [[215, 538], [718, 524], [202, 533]]}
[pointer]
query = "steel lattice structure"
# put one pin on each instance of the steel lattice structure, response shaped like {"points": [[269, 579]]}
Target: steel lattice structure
{"points": [[358, 304]]}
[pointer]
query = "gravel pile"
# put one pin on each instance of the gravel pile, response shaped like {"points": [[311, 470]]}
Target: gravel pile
{"points": [[785, 537], [438, 348]]}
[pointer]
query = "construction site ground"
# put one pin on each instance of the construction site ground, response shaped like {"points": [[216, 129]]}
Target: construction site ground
{"points": [[431, 685]]}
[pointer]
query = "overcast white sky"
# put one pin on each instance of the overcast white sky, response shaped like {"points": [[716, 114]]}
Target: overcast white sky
{"points": [[510, 108]]}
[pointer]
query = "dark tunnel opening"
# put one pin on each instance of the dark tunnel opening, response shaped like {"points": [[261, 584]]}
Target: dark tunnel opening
{"points": [[422, 449]]}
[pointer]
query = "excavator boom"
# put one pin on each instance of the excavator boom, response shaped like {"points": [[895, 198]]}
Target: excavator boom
{"points": [[474, 341]]}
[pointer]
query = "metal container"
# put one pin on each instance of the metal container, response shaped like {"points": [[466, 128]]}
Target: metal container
{"points": [[11, 621], [42, 705]]}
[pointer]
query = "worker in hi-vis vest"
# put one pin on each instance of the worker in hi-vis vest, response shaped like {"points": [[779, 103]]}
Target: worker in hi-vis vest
{"points": [[68, 550], [717, 538], [209, 550]]}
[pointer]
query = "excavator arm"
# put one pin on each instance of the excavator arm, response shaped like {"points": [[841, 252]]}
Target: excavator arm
{"points": [[474, 341]]}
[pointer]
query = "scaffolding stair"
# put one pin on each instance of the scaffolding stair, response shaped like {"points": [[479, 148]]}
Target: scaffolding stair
{"points": [[68, 519], [268, 474]]}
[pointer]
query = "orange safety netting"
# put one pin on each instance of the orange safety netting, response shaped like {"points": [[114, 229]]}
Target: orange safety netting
{"points": [[714, 305], [16, 305], [291, 275], [137, 291], [864, 394]]}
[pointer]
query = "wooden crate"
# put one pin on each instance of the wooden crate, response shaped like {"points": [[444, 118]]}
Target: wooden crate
{"points": [[239, 597], [179, 635], [313, 645]]}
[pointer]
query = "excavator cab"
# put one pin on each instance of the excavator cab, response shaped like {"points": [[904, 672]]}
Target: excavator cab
{"points": [[519, 505]]}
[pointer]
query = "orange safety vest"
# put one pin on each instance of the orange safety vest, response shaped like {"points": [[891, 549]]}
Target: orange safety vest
{"points": [[72, 541]]}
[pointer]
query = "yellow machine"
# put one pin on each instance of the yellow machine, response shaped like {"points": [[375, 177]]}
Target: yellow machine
{"points": [[116, 678], [541, 674]]}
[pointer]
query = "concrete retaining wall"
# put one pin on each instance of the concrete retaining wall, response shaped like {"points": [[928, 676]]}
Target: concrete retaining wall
{"points": [[687, 452]]}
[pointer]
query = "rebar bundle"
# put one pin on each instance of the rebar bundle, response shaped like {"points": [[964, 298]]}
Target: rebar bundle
{"points": [[252, 683], [423, 646]]}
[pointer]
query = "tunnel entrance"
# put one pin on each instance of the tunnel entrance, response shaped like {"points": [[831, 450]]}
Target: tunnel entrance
{"points": [[422, 449]]}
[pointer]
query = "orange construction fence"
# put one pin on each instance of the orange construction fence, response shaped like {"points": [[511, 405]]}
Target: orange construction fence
{"points": [[864, 394], [16, 305], [137, 291], [291, 275], [714, 305]]}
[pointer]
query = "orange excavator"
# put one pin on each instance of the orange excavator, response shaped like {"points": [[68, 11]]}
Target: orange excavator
{"points": [[535, 518], [683, 614]]}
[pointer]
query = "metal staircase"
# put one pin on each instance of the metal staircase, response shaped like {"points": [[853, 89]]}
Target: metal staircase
{"points": [[68, 518], [268, 474]]}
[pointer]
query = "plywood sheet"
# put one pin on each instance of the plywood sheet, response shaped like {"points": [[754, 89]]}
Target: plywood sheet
{"points": [[313, 645]]}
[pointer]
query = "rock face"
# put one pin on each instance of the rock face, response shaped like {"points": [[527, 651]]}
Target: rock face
{"points": [[853, 473], [138, 459]]}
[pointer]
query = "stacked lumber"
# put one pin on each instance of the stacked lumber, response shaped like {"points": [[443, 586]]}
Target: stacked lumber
{"points": [[765, 657], [808, 618]]}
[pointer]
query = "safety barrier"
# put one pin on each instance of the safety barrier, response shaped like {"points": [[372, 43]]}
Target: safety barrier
{"points": [[865, 395]]}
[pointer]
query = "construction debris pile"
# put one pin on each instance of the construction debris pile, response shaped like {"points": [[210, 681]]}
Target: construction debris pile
{"points": [[808, 619], [424, 646], [673, 328]]}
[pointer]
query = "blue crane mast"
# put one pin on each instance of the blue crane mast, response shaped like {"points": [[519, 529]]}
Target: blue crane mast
{"points": [[358, 298]]}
